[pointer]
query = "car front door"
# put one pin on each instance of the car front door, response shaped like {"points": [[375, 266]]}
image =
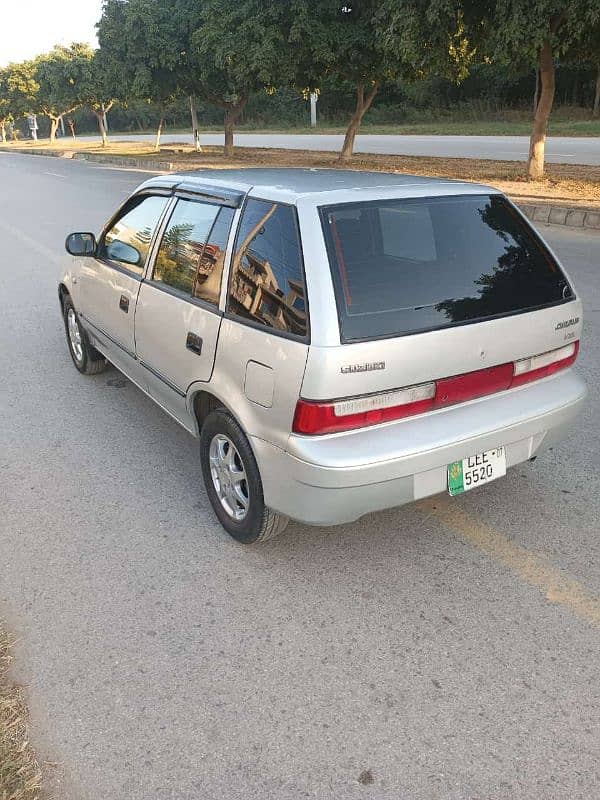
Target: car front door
{"points": [[111, 280], [177, 317]]}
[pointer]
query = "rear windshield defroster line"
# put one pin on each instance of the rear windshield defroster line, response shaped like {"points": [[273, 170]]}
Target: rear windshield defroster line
{"points": [[408, 266]]}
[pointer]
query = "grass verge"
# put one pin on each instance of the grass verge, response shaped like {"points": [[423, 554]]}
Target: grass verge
{"points": [[564, 122], [566, 184], [19, 772]]}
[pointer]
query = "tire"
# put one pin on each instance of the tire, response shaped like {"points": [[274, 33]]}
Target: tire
{"points": [[85, 357], [238, 502]]}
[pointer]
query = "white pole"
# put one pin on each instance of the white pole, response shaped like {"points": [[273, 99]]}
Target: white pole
{"points": [[313, 109]]}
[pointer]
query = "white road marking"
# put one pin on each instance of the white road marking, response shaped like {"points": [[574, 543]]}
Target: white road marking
{"points": [[56, 174]]}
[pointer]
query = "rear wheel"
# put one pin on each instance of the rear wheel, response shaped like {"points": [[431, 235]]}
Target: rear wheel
{"points": [[85, 357], [233, 481]]}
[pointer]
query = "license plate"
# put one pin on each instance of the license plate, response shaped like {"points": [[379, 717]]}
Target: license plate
{"points": [[476, 470]]}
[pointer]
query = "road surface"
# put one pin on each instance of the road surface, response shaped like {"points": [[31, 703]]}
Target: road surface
{"points": [[559, 149], [449, 647]]}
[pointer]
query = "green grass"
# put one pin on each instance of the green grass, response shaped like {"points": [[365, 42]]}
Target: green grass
{"points": [[455, 127]]}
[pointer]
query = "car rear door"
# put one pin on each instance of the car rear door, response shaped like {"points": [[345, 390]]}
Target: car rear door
{"points": [[428, 288], [178, 317], [110, 282]]}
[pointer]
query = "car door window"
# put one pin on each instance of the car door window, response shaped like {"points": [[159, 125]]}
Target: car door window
{"points": [[192, 251], [127, 241], [267, 280]]}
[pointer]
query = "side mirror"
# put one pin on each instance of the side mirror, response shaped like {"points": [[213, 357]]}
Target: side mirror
{"points": [[123, 252], [81, 244]]}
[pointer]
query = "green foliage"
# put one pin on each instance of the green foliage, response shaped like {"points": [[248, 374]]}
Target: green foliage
{"points": [[97, 86], [434, 38], [516, 29], [331, 38], [61, 75], [141, 45], [242, 47], [18, 89]]}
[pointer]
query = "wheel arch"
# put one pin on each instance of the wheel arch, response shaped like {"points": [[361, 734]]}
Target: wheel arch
{"points": [[203, 403], [62, 293]]}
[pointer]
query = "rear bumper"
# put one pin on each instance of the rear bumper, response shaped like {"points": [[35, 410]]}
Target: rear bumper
{"points": [[326, 480]]}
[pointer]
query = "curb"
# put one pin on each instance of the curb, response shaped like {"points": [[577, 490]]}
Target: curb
{"points": [[570, 216], [546, 213], [117, 161], [124, 161]]}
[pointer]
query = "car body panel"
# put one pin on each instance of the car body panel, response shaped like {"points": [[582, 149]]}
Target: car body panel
{"points": [[163, 322], [327, 480], [418, 358], [101, 286], [240, 344]]}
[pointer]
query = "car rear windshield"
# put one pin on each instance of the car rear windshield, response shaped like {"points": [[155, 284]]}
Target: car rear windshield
{"points": [[407, 266]]}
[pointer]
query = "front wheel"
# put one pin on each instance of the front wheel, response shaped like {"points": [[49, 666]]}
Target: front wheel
{"points": [[85, 357], [233, 481]]}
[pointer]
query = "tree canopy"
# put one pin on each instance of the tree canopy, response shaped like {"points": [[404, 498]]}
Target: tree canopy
{"points": [[60, 75], [141, 47], [240, 48], [18, 91]]}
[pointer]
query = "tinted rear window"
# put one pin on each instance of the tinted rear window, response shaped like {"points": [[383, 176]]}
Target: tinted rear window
{"points": [[405, 266]]}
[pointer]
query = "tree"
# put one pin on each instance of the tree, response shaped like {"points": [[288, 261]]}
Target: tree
{"points": [[339, 40], [60, 75], [18, 90], [366, 44], [240, 48], [589, 51], [97, 89], [141, 50], [521, 32], [514, 34]]}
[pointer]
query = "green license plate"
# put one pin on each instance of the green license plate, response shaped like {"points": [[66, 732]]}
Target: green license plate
{"points": [[476, 470]]}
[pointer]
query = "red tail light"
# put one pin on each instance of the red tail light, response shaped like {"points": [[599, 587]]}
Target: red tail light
{"points": [[360, 412], [536, 367]]}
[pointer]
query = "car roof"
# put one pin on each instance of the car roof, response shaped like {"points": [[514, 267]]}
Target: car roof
{"points": [[289, 184]]}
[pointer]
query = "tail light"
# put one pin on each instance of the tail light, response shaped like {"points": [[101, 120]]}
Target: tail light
{"points": [[536, 367], [313, 417]]}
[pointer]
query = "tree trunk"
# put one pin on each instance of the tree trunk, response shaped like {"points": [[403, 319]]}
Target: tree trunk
{"points": [[232, 115], [195, 128], [252, 234], [596, 109], [159, 131], [53, 128], [536, 94], [362, 106], [3, 131], [537, 143], [101, 127]]}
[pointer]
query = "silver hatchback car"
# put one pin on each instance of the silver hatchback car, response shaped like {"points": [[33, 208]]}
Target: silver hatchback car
{"points": [[340, 342]]}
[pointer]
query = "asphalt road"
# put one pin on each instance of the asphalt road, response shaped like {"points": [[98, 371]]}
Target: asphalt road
{"points": [[449, 647], [559, 149]]}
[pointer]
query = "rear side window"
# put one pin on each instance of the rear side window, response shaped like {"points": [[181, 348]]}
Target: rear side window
{"points": [[191, 254], [406, 266], [127, 241], [267, 277]]}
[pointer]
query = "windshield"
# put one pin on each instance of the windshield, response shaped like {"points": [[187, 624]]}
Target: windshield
{"points": [[406, 266]]}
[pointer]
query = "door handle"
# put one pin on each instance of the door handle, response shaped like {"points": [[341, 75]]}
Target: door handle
{"points": [[124, 303], [194, 343]]}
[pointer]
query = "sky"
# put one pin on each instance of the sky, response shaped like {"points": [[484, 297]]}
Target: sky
{"points": [[30, 27]]}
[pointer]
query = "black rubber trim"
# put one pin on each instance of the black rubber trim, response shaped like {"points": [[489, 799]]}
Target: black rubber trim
{"points": [[162, 378], [213, 194], [195, 301], [95, 330]]}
